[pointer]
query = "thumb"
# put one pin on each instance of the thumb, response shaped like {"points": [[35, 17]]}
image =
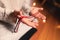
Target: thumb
{"points": [[21, 13]]}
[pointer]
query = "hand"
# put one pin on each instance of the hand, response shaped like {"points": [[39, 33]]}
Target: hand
{"points": [[35, 12], [25, 20], [29, 23]]}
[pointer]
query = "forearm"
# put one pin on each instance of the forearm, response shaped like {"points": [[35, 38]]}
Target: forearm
{"points": [[4, 14], [7, 11]]}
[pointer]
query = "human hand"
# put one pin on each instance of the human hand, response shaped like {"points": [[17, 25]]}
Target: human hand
{"points": [[35, 12], [28, 22]]}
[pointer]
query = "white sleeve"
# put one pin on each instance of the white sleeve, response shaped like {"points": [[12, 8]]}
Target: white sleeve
{"points": [[1, 13], [26, 6], [4, 13], [3, 10]]}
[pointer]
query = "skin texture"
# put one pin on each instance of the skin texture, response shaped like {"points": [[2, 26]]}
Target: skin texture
{"points": [[34, 12], [26, 19]]}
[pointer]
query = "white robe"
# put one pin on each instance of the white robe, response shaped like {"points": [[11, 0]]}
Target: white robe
{"points": [[9, 6]]}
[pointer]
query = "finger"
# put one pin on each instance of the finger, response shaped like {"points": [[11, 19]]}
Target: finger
{"points": [[31, 19], [40, 8], [37, 8], [18, 16], [21, 13], [28, 22], [36, 24]]}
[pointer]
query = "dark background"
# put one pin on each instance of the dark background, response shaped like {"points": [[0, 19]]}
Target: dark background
{"points": [[51, 8]]}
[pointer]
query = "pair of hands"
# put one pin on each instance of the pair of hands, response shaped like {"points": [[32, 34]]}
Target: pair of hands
{"points": [[34, 12]]}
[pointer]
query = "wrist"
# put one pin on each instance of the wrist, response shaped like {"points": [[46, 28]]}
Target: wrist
{"points": [[21, 17]]}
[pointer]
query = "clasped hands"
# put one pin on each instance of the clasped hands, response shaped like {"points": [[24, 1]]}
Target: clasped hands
{"points": [[25, 19]]}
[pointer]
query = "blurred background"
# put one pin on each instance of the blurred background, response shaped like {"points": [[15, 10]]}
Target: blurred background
{"points": [[51, 29]]}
